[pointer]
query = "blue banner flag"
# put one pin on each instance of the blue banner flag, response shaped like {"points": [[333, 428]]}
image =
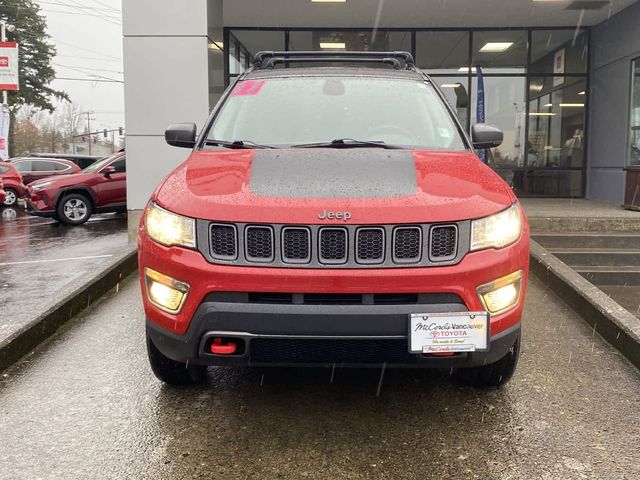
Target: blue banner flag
{"points": [[480, 109]]}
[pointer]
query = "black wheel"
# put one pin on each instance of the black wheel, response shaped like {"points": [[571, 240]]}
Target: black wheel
{"points": [[11, 197], [492, 375], [172, 372], [74, 209]]}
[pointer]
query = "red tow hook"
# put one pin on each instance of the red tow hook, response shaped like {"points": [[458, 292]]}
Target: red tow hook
{"points": [[218, 348]]}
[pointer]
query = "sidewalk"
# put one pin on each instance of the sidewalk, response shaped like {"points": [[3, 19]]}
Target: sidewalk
{"points": [[42, 262]]}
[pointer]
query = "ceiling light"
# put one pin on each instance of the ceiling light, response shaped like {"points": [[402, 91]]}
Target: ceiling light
{"points": [[541, 114], [466, 69], [536, 87], [450, 85], [328, 1], [570, 105], [333, 45], [495, 47], [581, 93], [548, 105]]}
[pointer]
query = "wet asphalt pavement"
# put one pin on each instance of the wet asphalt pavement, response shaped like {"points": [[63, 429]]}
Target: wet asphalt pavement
{"points": [[41, 260], [87, 406]]}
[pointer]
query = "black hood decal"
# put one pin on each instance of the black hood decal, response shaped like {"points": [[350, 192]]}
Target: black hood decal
{"points": [[333, 173]]}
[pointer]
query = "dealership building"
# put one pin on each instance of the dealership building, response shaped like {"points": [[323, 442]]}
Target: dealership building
{"points": [[561, 77]]}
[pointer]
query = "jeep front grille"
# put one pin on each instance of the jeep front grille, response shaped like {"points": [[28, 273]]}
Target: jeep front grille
{"points": [[333, 246]]}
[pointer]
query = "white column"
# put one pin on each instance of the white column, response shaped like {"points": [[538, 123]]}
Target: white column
{"points": [[166, 81]]}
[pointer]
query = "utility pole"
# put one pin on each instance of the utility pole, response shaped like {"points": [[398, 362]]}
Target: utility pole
{"points": [[73, 130], [3, 38], [89, 129]]}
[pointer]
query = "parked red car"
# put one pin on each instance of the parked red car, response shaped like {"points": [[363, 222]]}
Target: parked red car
{"points": [[13, 186], [33, 169], [2, 193], [350, 223], [72, 199]]}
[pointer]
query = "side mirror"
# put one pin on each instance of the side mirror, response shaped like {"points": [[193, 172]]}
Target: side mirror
{"points": [[485, 136], [181, 135], [108, 171]]}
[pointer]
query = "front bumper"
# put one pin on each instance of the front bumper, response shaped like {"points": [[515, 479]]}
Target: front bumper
{"points": [[37, 205], [273, 349], [269, 332]]}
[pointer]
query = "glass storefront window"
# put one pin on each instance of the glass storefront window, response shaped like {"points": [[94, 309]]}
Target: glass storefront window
{"points": [[634, 136], [504, 108], [442, 52], [244, 44], [501, 51], [360, 41], [556, 123], [558, 51], [556, 140], [455, 90]]}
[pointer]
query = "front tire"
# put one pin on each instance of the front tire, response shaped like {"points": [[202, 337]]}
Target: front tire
{"points": [[74, 209], [11, 197], [492, 375], [172, 372]]}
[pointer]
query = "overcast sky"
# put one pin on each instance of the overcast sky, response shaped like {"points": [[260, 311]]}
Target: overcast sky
{"points": [[88, 38]]}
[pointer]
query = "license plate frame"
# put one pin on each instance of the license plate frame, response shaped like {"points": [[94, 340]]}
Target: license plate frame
{"points": [[449, 332]]}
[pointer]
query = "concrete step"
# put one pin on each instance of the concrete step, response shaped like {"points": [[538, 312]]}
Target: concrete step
{"points": [[588, 240], [598, 257], [610, 276]]}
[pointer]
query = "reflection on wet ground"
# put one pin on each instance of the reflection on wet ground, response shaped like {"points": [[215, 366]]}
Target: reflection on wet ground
{"points": [[87, 406], [41, 259]]}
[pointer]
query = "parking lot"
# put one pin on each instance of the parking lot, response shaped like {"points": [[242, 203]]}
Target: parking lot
{"points": [[87, 405], [41, 260]]}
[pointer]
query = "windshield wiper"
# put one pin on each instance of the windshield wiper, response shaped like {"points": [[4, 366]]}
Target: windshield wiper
{"points": [[239, 144], [347, 143]]}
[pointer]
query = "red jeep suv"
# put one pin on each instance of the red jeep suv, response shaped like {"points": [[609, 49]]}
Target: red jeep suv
{"points": [[72, 199], [334, 215]]}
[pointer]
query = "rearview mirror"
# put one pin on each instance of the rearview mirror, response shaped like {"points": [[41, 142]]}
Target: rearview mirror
{"points": [[485, 136], [181, 135], [108, 171]]}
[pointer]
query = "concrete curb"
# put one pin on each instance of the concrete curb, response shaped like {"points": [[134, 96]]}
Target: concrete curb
{"points": [[615, 324], [31, 335], [584, 224]]}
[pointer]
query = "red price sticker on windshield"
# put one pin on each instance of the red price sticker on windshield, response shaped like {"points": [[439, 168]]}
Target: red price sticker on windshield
{"points": [[248, 87]]}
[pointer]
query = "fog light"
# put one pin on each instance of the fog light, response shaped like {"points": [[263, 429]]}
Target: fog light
{"points": [[501, 294], [165, 292]]}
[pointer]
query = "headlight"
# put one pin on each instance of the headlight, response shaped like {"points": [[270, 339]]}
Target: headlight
{"points": [[40, 185], [169, 228], [498, 230]]}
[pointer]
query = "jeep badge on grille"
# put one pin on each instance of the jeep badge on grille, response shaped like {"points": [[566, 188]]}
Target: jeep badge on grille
{"points": [[334, 215]]}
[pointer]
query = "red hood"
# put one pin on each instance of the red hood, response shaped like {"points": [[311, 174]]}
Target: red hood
{"points": [[64, 180], [439, 187]]}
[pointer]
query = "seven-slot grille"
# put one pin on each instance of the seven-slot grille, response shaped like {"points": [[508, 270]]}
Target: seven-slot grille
{"points": [[343, 246]]}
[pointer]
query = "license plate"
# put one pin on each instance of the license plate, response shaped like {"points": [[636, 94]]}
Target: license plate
{"points": [[448, 332]]}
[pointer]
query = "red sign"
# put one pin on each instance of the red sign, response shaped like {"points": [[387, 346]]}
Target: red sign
{"points": [[4, 62]]}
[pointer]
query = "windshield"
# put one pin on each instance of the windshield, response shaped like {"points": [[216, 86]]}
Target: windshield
{"points": [[96, 166], [304, 109]]}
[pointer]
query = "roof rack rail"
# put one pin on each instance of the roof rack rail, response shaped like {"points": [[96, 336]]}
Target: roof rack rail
{"points": [[272, 62], [332, 56]]}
